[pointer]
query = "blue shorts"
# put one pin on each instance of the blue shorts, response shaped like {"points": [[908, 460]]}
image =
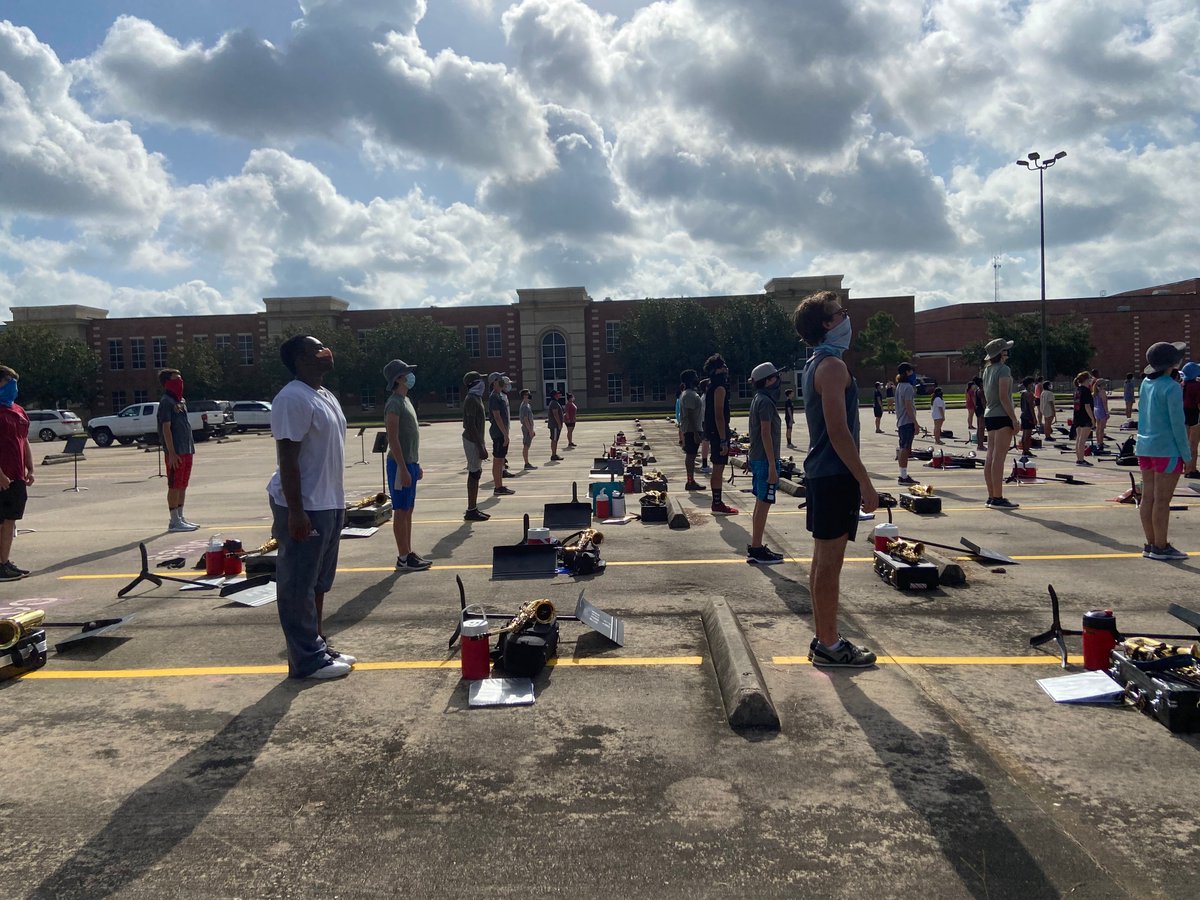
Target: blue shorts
{"points": [[403, 497], [763, 490], [907, 433]]}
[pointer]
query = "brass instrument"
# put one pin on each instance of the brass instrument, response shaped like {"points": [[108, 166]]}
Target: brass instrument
{"points": [[911, 552], [657, 498], [587, 537], [535, 611], [373, 500], [921, 490], [267, 547], [13, 628]]}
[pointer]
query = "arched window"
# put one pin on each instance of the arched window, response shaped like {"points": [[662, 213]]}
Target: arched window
{"points": [[554, 363]]}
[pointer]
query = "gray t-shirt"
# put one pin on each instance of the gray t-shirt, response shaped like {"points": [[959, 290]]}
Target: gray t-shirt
{"points": [[763, 409], [526, 416], [175, 412], [497, 403], [691, 412], [991, 389], [906, 395], [410, 428]]}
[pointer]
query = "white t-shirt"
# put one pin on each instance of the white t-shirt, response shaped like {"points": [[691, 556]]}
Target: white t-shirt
{"points": [[937, 408], [315, 420]]}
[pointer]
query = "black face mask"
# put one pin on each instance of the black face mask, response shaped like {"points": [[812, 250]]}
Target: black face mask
{"points": [[719, 380]]}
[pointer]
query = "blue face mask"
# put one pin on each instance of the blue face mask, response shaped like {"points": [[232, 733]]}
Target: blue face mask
{"points": [[410, 379], [912, 378], [837, 338], [8, 393]]}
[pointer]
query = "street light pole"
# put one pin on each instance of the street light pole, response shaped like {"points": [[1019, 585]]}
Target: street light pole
{"points": [[1035, 161]]}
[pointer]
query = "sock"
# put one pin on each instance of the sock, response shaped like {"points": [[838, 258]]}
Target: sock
{"points": [[716, 501], [176, 513], [904, 471]]}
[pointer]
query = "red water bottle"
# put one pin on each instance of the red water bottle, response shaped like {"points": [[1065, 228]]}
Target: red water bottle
{"points": [[476, 653], [1099, 638], [629, 482]]}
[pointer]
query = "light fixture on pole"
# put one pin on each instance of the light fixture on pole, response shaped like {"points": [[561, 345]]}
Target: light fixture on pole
{"points": [[1035, 161]]}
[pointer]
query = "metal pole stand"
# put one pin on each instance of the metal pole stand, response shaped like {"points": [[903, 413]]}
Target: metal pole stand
{"points": [[75, 447]]}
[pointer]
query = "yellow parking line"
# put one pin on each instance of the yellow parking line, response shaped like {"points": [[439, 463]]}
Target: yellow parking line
{"points": [[947, 660]]}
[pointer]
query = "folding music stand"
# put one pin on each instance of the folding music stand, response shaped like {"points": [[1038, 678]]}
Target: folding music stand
{"points": [[363, 444], [158, 454], [381, 446], [75, 447]]}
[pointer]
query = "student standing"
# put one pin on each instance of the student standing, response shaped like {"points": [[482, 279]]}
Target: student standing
{"points": [[554, 422], [474, 449], [1082, 420], [877, 406], [525, 415], [16, 470], [763, 456], [175, 435], [937, 412], [906, 417], [1100, 410], [1127, 395], [716, 428], [1046, 402], [691, 426], [999, 418], [1191, 413], [1162, 447], [404, 460], [789, 416], [498, 425], [570, 416], [1029, 408], [971, 389]]}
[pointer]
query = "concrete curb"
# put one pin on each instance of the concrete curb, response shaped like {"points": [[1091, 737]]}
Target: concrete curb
{"points": [[951, 574], [794, 488], [747, 702], [676, 517], [52, 459]]}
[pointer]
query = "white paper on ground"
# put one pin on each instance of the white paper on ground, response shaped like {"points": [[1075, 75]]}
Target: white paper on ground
{"points": [[1084, 687], [624, 520], [358, 532], [501, 692], [255, 596]]}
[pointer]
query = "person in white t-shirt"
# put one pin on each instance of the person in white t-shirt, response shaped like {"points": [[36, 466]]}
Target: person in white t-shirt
{"points": [[308, 502], [937, 411]]}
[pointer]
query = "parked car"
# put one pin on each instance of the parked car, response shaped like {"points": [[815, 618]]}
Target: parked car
{"points": [[220, 415], [140, 422], [252, 414], [925, 384], [53, 424]]}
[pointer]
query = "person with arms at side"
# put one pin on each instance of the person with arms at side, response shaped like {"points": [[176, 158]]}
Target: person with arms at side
{"points": [[1162, 447], [16, 471], [999, 419], [763, 456], [1082, 420], [175, 435], [308, 505], [837, 482], [877, 406], [1100, 411], [1029, 407], [906, 418], [679, 414], [498, 426], [1191, 412], [1046, 403], [716, 428], [890, 396], [1127, 395], [570, 417], [403, 460], [937, 412], [691, 425], [474, 449], [789, 416], [525, 415], [980, 431], [702, 390], [971, 405], [554, 422]]}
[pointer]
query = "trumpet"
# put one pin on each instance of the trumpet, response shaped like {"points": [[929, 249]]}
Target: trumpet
{"points": [[535, 611], [911, 552], [14, 628]]}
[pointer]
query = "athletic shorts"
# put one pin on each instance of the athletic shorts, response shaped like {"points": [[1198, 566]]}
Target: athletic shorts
{"points": [[1083, 420], [1028, 422], [878, 410], [555, 431], [996, 423], [714, 446], [403, 497], [763, 489], [471, 451], [12, 501], [691, 443], [1164, 465], [179, 477], [526, 436], [1191, 417], [499, 450], [832, 507], [907, 433]]}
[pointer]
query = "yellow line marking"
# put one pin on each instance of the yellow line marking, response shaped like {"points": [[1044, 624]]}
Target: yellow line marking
{"points": [[947, 660]]}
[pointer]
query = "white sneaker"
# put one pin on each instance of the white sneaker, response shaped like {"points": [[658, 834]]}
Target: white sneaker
{"points": [[334, 669], [186, 521], [181, 525], [338, 656]]}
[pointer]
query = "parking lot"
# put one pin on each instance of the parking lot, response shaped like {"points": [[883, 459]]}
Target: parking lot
{"points": [[172, 757]]}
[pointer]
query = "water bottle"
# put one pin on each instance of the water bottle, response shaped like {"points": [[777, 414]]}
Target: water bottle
{"points": [[214, 557], [1099, 638]]}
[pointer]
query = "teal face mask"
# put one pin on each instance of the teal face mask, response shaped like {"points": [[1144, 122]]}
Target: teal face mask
{"points": [[410, 379]]}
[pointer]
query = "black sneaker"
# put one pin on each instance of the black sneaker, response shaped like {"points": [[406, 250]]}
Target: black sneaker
{"points": [[694, 486], [508, 474], [416, 562], [556, 458], [502, 491], [475, 515], [763, 556], [9, 572], [1146, 550], [18, 568], [1192, 474], [1004, 503], [906, 479], [842, 655], [529, 466], [401, 563], [1082, 462]]}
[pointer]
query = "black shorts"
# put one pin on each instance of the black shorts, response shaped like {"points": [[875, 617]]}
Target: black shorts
{"points": [[832, 507], [12, 501], [691, 443], [499, 450], [995, 423], [714, 450], [1028, 422], [1191, 417], [1083, 420]]}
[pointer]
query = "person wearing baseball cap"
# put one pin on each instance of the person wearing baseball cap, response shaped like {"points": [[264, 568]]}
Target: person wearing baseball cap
{"points": [[499, 416], [763, 458], [1162, 446], [474, 446], [999, 419], [403, 462]]}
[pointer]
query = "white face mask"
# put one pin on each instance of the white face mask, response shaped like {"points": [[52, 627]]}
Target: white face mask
{"points": [[839, 335], [506, 383]]}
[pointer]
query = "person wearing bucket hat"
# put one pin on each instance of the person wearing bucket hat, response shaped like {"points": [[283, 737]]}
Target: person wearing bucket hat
{"points": [[499, 416], [1162, 447], [1191, 412], [999, 419], [763, 458], [403, 461], [474, 445]]}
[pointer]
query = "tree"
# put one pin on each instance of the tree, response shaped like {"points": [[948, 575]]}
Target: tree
{"points": [[52, 369], [751, 330], [1069, 346], [202, 373], [664, 337], [438, 352], [878, 344]]}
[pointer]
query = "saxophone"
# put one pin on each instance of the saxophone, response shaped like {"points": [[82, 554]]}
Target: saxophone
{"points": [[535, 611], [373, 500], [921, 490], [14, 628], [911, 552]]}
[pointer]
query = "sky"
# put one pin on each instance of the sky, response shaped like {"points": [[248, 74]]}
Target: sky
{"points": [[170, 158]]}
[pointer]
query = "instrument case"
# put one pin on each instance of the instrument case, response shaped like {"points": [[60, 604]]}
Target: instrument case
{"points": [[653, 512], [369, 516], [26, 655], [923, 506], [1155, 691], [922, 576]]}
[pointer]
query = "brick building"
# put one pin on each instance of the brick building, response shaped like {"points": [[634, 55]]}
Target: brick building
{"points": [[549, 338]]}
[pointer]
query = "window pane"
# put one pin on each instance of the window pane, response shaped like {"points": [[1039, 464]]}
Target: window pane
{"points": [[614, 387], [471, 339], [554, 357], [118, 400], [493, 341], [612, 336], [637, 393], [160, 352], [141, 396], [137, 353], [246, 349], [116, 354]]}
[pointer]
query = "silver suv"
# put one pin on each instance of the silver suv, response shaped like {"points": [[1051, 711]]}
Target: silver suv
{"points": [[53, 424]]}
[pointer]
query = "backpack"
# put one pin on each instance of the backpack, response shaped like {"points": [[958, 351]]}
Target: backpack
{"points": [[525, 653]]}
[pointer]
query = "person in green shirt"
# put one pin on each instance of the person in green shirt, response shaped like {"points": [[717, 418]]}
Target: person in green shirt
{"points": [[403, 463]]}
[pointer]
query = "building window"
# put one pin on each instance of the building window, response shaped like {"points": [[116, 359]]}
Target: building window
{"points": [[159, 347], [471, 338], [222, 342], [367, 397], [141, 396], [246, 349], [637, 392], [453, 397], [362, 337], [116, 354], [554, 363], [118, 401], [614, 387], [137, 353], [493, 341], [199, 338], [612, 336], [745, 388], [657, 391]]}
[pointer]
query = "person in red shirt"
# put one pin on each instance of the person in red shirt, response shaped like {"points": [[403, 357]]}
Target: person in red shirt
{"points": [[16, 470], [1191, 412]]}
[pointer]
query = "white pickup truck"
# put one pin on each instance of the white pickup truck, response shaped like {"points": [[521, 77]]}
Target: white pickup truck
{"points": [[139, 422]]}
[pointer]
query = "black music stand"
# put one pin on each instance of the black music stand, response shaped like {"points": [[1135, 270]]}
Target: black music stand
{"points": [[158, 453], [75, 447], [381, 446], [363, 443]]}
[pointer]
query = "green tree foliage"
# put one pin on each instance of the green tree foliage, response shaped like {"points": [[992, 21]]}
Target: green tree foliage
{"points": [[1069, 346], [879, 345], [437, 350], [664, 337], [751, 330], [53, 370], [203, 374]]}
